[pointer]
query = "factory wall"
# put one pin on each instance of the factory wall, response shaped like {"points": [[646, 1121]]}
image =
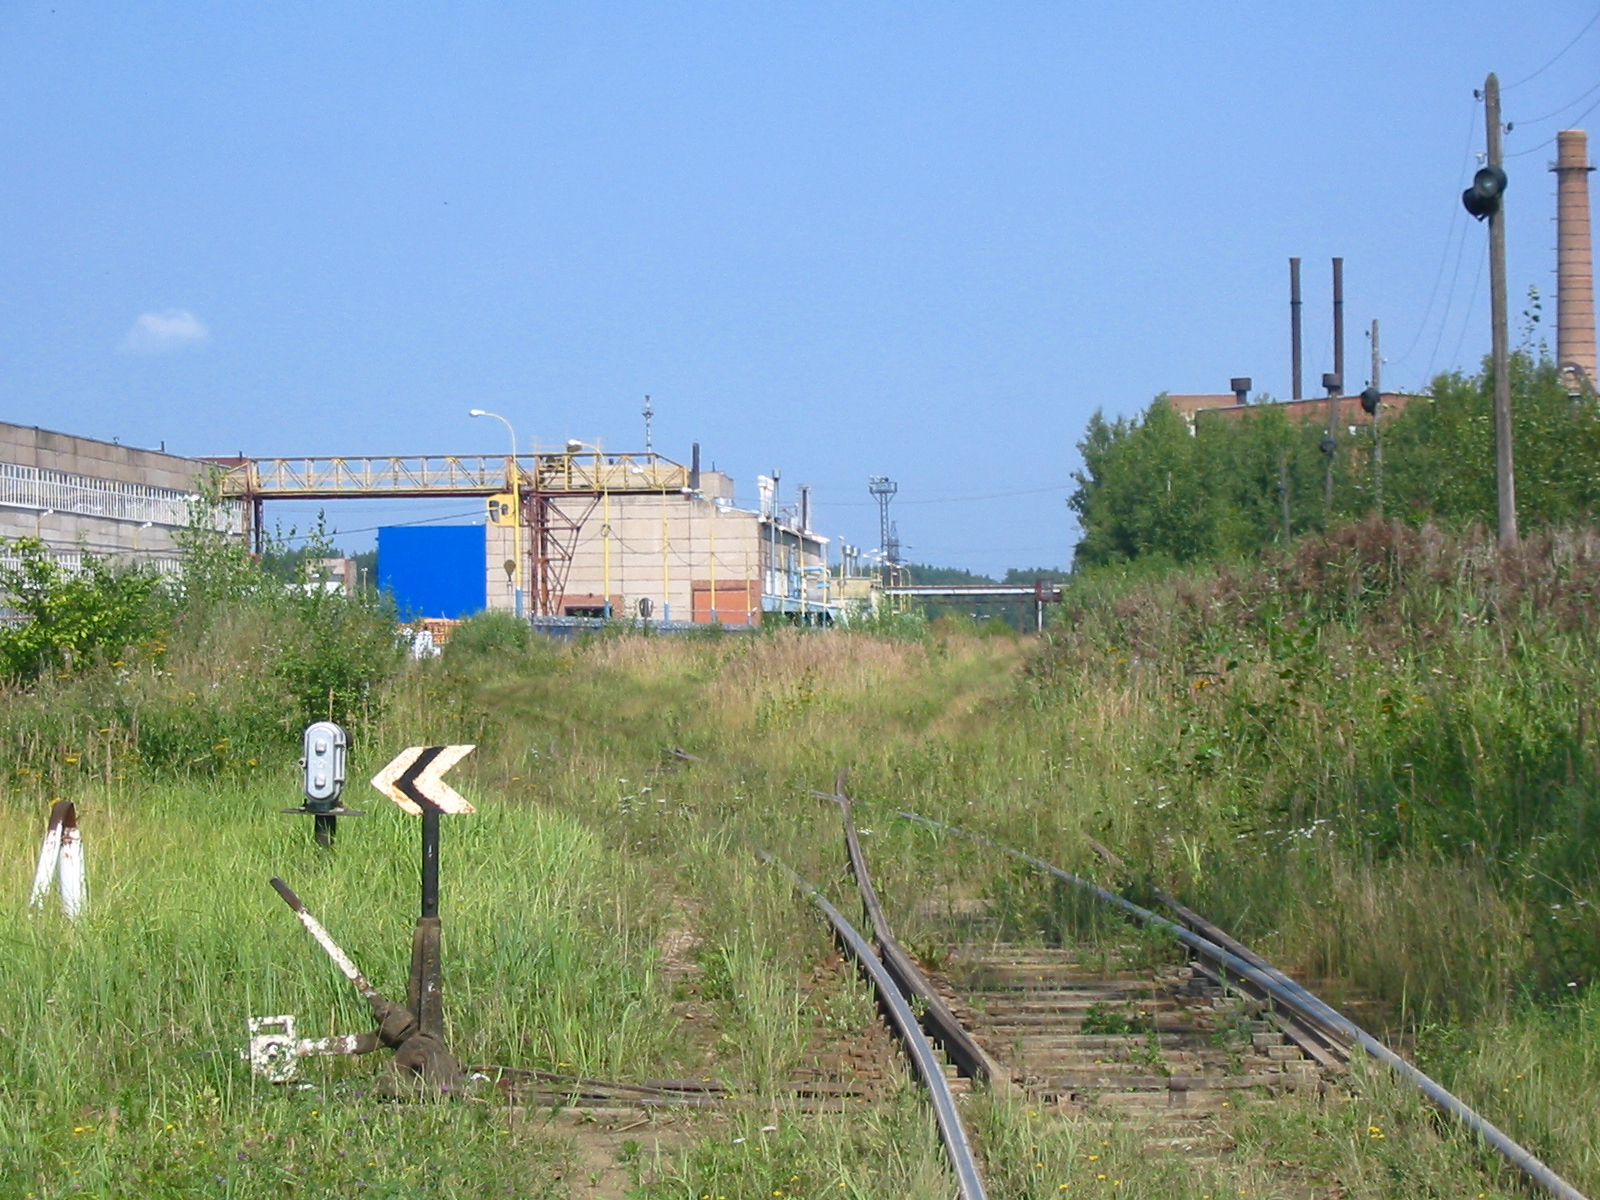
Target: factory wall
{"points": [[668, 550], [80, 493]]}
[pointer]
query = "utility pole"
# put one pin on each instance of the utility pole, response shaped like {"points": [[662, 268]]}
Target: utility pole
{"points": [[1504, 476], [1334, 382], [1377, 419], [1283, 491], [1338, 320], [1294, 324]]}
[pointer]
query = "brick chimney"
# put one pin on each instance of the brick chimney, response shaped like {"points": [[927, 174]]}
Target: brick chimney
{"points": [[1575, 349]]}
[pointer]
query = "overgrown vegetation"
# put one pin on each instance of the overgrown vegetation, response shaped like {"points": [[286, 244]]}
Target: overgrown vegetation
{"points": [[1251, 738]]}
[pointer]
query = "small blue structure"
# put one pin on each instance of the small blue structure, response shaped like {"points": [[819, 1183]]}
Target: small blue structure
{"points": [[434, 570]]}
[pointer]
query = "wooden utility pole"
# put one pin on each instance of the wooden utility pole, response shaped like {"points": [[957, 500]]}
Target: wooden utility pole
{"points": [[1294, 325], [1283, 493], [1504, 476], [1377, 420], [1335, 384]]}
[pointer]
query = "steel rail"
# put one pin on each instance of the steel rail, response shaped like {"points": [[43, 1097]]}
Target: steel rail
{"points": [[938, 1021], [951, 1131], [1304, 1004]]}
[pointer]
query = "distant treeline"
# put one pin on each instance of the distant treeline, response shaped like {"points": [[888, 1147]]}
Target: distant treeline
{"points": [[1150, 488]]}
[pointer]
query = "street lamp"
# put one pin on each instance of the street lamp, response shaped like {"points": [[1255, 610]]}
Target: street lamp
{"points": [[516, 502], [574, 446]]}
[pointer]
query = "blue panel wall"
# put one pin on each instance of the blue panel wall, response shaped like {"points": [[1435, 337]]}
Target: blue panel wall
{"points": [[434, 570]]}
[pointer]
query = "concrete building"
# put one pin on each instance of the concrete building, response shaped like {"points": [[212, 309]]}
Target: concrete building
{"points": [[79, 494], [690, 555]]}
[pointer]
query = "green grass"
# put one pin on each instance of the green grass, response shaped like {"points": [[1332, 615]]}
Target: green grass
{"points": [[593, 847]]}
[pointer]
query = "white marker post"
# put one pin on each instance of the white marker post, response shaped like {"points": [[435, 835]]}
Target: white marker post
{"points": [[61, 857]]}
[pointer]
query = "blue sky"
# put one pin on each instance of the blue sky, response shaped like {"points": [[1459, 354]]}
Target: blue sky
{"points": [[924, 241]]}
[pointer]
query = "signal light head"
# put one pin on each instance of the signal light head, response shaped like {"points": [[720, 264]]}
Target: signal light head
{"points": [[1482, 199], [1370, 399]]}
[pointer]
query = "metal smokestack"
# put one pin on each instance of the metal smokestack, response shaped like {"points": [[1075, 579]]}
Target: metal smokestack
{"points": [[1294, 322], [1575, 348], [694, 469]]}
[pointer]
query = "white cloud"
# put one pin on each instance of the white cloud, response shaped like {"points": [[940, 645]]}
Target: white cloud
{"points": [[165, 332]]}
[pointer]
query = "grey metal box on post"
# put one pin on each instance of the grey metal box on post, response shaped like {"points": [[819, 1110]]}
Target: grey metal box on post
{"points": [[323, 762]]}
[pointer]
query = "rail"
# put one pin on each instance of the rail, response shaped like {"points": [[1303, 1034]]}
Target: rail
{"points": [[951, 1131], [938, 1021], [1306, 1006]]}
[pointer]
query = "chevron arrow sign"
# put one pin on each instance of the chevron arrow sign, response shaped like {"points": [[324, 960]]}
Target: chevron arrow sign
{"points": [[415, 777]]}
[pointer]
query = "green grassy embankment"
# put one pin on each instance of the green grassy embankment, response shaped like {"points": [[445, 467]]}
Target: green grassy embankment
{"points": [[1227, 746]]}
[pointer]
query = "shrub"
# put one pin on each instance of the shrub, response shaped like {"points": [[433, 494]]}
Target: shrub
{"points": [[68, 618], [489, 633]]}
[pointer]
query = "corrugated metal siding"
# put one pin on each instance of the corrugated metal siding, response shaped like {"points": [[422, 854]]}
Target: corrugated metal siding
{"points": [[433, 570]]}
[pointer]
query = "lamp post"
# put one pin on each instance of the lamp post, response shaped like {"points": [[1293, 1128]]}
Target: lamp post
{"points": [[574, 446], [516, 506]]}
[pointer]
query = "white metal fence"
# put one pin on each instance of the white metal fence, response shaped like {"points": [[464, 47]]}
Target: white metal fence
{"points": [[83, 495]]}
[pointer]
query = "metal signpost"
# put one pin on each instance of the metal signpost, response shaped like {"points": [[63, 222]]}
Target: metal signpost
{"points": [[415, 1030], [414, 781]]}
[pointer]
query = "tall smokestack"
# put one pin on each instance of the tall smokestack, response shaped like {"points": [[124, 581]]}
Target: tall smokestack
{"points": [[1294, 322], [1575, 350], [694, 469]]}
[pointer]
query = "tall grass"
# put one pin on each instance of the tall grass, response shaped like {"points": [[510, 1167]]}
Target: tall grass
{"points": [[1226, 731]]}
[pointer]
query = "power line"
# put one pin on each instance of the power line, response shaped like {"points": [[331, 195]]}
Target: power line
{"points": [[1558, 56], [1450, 297], [1449, 237], [301, 537], [1059, 487], [1549, 140], [1557, 112], [1466, 320]]}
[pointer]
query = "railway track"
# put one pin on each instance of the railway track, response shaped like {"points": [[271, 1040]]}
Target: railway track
{"points": [[1167, 1048], [1178, 1049]]}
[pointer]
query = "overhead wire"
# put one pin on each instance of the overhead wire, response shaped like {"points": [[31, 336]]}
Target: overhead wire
{"points": [[1449, 238], [1559, 55], [1472, 298], [1552, 137], [1449, 301], [1557, 112], [1057, 487], [336, 532]]}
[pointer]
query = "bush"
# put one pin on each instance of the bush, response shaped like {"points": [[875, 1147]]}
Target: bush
{"points": [[489, 633], [69, 619]]}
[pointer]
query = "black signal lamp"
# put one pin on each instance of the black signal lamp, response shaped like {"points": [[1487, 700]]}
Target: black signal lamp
{"points": [[1370, 399], [1482, 199]]}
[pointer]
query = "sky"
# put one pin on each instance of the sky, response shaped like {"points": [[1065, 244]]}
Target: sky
{"points": [[924, 241]]}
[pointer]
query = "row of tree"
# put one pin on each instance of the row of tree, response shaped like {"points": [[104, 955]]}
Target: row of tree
{"points": [[1157, 486]]}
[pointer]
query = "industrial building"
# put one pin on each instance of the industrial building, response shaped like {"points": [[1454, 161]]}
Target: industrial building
{"points": [[688, 555], [579, 533], [79, 494]]}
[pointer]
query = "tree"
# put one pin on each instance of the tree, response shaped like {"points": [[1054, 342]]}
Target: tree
{"points": [[62, 619]]}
